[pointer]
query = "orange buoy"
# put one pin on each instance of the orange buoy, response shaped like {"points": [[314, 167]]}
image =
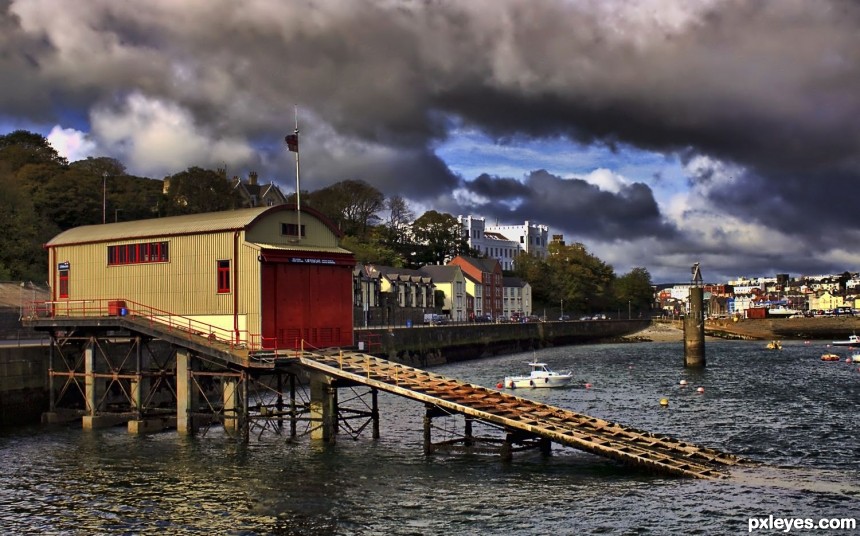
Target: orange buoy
{"points": [[700, 390], [588, 386], [499, 385]]}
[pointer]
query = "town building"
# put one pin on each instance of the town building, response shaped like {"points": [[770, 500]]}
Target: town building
{"points": [[254, 194], [267, 276], [484, 284], [504, 242], [405, 295], [451, 283], [517, 298]]}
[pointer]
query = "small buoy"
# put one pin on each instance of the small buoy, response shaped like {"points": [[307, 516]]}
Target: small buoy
{"points": [[847, 359], [588, 386], [664, 402], [683, 383], [499, 385], [700, 390]]}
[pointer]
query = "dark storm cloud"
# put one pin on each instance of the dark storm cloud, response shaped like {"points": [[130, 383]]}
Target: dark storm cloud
{"points": [[573, 205], [771, 87]]}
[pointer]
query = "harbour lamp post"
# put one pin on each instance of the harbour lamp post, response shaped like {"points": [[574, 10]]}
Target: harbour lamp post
{"points": [[629, 311], [104, 196], [561, 315]]}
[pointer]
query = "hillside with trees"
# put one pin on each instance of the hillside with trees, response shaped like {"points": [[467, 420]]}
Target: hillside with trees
{"points": [[45, 195]]}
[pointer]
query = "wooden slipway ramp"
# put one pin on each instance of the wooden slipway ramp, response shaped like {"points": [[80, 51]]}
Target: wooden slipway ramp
{"points": [[638, 448]]}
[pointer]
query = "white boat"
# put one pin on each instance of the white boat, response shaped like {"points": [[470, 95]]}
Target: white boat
{"points": [[781, 311], [540, 376], [855, 357], [853, 340]]}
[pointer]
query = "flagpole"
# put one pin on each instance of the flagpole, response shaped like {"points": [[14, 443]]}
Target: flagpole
{"points": [[298, 188]]}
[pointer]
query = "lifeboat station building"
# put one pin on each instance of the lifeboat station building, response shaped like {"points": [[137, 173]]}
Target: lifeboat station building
{"points": [[265, 277]]}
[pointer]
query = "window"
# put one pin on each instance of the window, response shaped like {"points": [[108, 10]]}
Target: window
{"points": [[64, 283], [291, 229], [137, 253], [223, 277]]}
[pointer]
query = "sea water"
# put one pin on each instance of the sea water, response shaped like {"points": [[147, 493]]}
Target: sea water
{"points": [[789, 412]]}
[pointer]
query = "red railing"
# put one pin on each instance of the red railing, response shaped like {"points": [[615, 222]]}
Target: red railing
{"points": [[95, 308]]}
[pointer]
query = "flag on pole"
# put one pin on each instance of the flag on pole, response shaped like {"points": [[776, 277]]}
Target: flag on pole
{"points": [[292, 142]]}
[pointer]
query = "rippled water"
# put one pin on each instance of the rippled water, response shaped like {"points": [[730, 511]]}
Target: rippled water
{"points": [[788, 410]]}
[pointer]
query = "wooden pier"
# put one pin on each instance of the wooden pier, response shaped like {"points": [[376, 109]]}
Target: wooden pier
{"points": [[633, 447], [84, 346]]}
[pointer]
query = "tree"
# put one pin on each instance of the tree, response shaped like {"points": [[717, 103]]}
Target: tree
{"points": [[21, 147], [198, 190], [396, 233], [438, 238], [635, 290], [371, 252], [351, 205], [581, 279]]}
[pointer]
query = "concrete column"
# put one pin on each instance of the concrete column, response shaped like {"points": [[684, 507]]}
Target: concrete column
{"points": [[231, 405], [322, 408], [89, 378], [185, 392], [694, 330]]}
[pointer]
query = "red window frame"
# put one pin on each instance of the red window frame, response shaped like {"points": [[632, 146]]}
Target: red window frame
{"points": [[223, 281], [141, 253], [64, 283]]}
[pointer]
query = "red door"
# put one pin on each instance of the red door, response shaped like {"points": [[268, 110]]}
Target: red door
{"points": [[306, 305]]}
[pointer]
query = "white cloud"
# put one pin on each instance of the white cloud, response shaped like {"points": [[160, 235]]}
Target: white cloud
{"points": [[71, 144], [156, 137]]}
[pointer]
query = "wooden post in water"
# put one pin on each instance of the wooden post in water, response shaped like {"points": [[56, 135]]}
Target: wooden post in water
{"points": [[694, 326]]}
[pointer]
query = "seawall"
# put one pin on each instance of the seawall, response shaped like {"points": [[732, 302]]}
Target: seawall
{"points": [[427, 346], [23, 384]]}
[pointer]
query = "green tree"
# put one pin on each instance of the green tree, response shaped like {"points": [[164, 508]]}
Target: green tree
{"points": [[371, 252], [351, 205], [582, 280], [634, 290], [198, 190], [21, 147], [438, 239]]}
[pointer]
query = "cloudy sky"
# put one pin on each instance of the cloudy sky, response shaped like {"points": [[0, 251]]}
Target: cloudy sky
{"points": [[658, 133]]}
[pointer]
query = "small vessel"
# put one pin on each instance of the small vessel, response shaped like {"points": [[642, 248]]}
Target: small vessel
{"points": [[830, 357], [774, 345], [540, 376], [855, 357], [853, 340]]}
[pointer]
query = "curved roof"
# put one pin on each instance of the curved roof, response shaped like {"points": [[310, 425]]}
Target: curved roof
{"points": [[208, 222]]}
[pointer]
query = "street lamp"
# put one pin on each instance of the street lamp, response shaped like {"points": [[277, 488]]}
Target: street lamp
{"points": [[629, 311], [104, 196], [561, 315]]}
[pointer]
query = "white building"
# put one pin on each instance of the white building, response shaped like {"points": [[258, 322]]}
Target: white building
{"points": [[505, 242]]}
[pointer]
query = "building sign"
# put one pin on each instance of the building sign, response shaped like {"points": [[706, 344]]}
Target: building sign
{"points": [[63, 266], [307, 260]]}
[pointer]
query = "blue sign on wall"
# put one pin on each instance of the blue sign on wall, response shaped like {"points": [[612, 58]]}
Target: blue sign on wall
{"points": [[63, 266]]}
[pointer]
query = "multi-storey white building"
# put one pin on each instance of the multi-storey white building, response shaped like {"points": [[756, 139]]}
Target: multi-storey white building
{"points": [[505, 242]]}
